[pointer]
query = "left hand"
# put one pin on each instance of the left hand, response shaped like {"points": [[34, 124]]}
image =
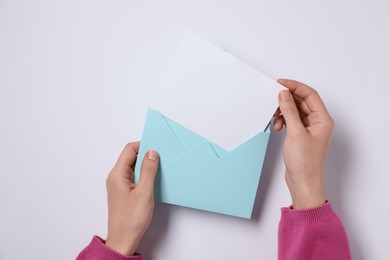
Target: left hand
{"points": [[130, 206]]}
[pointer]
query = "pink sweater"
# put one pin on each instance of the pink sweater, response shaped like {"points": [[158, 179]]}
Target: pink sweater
{"points": [[303, 234]]}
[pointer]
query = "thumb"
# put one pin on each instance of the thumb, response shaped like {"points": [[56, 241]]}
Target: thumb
{"points": [[148, 170], [290, 111]]}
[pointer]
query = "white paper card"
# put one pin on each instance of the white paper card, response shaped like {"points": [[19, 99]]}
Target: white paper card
{"points": [[214, 94]]}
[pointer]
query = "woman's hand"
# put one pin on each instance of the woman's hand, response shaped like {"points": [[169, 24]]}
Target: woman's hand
{"points": [[309, 130], [130, 206]]}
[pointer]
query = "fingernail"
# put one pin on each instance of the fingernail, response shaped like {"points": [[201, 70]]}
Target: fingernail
{"points": [[152, 155], [285, 95]]}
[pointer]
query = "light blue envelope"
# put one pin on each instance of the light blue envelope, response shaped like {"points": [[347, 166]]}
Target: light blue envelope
{"points": [[196, 173]]}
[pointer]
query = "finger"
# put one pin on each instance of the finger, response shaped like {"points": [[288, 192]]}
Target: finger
{"points": [[277, 112], [148, 170], [309, 95], [128, 156], [301, 104], [278, 123], [290, 111]]}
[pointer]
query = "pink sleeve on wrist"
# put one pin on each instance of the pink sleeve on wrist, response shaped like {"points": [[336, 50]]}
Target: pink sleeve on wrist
{"points": [[97, 250], [316, 233]]}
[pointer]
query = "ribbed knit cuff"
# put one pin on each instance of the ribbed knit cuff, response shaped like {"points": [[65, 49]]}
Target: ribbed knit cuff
{"points": [[99, 250], [320, 213]]}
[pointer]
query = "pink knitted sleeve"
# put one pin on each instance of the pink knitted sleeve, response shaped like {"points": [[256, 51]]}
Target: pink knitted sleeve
{"points": [[97, 250], [316, 233]]}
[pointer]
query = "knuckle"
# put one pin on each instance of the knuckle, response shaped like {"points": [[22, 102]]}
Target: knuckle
{"points": [[330, 123], [110, 180], [131, 148], [128, 146], [314, 92]]}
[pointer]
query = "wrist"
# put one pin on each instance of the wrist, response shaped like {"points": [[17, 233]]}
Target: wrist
{"points": [[305, 195], [125, 247], [307, 200]]}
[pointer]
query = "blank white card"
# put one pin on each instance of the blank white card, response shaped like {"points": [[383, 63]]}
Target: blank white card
{"points": [[212, 93]]}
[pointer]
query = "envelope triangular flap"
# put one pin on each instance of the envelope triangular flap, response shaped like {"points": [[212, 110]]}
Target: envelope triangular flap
{"points": [[189, 139], [158, 136]]}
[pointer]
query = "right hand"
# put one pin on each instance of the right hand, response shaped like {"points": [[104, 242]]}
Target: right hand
{"points": [[309, 130]]}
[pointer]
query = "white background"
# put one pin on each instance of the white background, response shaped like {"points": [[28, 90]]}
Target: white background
{"points": [[74, 77]]}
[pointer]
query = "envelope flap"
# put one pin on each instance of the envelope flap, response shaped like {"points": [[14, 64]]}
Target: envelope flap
{"points": [[188, 139], [167, 143]]}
